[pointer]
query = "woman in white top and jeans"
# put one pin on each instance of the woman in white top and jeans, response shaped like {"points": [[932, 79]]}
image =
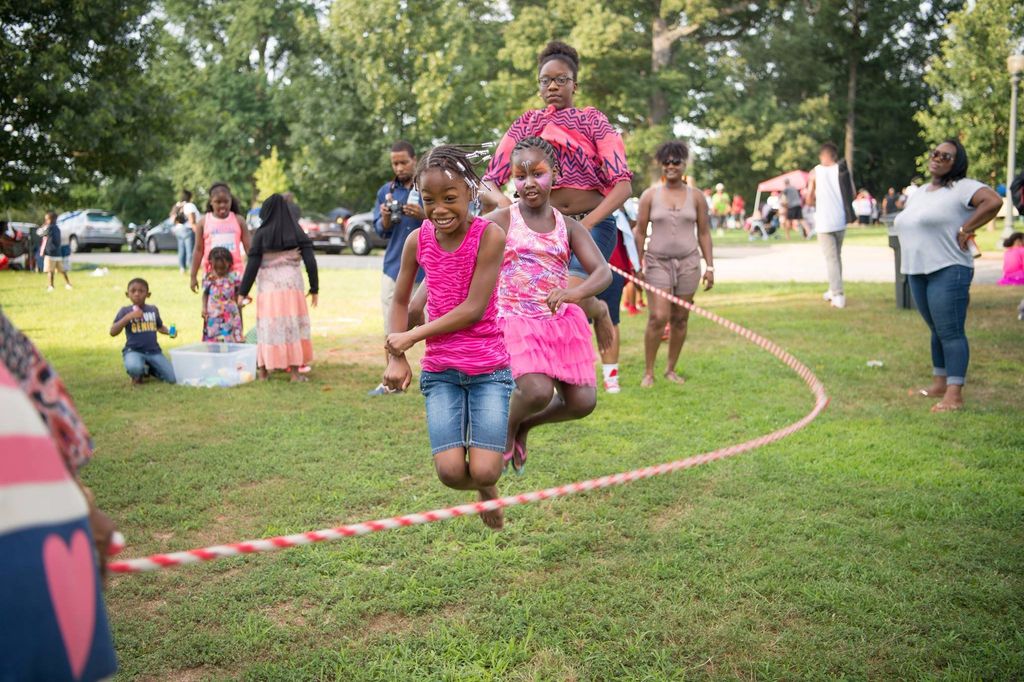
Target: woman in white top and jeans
{"points": [[934, 231]]}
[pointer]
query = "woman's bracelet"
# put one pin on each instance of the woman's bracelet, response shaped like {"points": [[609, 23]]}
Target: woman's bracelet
{"points": [[710, 268]]}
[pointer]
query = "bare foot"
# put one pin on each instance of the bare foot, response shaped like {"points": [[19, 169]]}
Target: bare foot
{"points": [[604, 329], [647, 381], [952, 401], [495, 520], [674, 378], [262, 374], [936, 390]]}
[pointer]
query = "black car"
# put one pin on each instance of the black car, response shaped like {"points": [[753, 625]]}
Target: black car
{"points": [[362, 236]]}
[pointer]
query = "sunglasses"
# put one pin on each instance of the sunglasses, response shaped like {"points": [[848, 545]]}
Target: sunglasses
{"points": [[562, 81], [942, 156], [672, 162]]}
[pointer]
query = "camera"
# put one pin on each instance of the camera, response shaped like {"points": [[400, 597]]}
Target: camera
{"points": [[395, 207]]}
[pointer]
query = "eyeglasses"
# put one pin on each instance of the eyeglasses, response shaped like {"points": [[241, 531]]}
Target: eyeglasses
{"points": [[943, 156], [672, 162], [545, 82]]}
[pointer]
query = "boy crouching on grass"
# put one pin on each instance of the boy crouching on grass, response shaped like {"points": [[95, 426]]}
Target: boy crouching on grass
{"points": [[141, 323]]}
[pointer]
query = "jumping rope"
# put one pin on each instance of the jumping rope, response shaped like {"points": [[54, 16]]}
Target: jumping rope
{"points": [[194, 556]]}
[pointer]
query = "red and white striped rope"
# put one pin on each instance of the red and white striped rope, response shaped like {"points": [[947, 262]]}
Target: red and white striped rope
{"points": [[194, 556]]}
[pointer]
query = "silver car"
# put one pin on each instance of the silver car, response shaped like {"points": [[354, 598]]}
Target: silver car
{"points": [[86, 228]]}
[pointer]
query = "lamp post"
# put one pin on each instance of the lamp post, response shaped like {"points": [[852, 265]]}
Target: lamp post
{"points": [[1015, 65]]}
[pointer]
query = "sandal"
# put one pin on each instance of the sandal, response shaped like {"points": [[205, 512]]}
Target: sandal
{"points": [[519, 459]]}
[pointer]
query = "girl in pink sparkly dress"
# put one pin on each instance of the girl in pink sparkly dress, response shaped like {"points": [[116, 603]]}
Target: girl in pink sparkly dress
{"points": [[545, 330]]}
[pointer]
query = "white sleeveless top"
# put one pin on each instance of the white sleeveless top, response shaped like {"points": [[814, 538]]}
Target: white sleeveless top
{"points": [[829, 212]]}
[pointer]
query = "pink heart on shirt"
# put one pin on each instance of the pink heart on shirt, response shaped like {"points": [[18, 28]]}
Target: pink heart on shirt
{"points": [[71, 578]]}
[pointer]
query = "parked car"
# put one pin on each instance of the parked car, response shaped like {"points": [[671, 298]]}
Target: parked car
{"points": [[362, 236], [16, 241], [153, 239], [326, 234], [89, 227]]}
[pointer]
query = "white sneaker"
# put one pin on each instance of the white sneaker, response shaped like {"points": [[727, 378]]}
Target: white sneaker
{"points": [[611, 383], [827, 296], [49, 289], [68, 287], [839, 301]]}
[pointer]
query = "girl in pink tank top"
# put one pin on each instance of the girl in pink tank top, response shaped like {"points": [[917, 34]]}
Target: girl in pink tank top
{"points": [[546, 332], [221, 226], [465, 377]]}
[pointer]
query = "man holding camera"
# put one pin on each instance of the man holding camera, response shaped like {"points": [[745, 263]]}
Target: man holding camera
{"points": [[397, 213]]}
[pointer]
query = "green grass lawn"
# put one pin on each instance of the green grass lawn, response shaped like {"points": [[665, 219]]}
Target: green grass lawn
{"points": [[882, 542]]}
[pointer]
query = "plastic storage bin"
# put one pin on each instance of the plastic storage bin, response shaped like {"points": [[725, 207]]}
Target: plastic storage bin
{"points": [[214, 365]]}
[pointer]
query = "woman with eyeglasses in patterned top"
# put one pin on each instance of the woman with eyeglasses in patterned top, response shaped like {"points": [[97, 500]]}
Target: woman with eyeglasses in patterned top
{"points": [[595, 179]]}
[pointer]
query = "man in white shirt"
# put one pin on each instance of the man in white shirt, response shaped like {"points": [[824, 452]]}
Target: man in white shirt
{"points": [[825, 193], [186, 218]]}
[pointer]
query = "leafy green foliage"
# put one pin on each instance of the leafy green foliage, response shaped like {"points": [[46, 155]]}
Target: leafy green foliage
{"points": [[755, 87], [270, 176], [76, 98], [972, 85]]}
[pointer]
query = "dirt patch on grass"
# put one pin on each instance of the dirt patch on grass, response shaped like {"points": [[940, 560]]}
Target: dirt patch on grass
{"points": [[547, 664], [672, 514], [294, 613], [395, 623], [185, 675]]}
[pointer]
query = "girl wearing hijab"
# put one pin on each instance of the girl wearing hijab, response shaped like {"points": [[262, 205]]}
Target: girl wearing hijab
{"points": [[279, 248]]}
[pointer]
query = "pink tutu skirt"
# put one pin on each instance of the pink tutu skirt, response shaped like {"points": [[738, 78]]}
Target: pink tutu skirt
{"points": [[558, 346]]}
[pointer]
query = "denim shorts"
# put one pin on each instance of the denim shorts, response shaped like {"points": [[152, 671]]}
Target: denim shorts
{"points": [[467, 411], [605, 235]]}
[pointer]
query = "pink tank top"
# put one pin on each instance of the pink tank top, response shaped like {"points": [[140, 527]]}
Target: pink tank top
{"points": [[479, 348], [226, 233], [534, 264]]}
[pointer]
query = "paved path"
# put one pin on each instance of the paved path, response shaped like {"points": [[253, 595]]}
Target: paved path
{"points": [[773, 263]]}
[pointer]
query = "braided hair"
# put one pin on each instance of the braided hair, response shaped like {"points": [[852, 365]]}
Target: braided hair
{"points": [[454, 160], [541, 145]]}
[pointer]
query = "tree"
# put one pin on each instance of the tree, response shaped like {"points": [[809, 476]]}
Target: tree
{"points": [[229, 65], [270, 176], [76, 102], [972, 86]]}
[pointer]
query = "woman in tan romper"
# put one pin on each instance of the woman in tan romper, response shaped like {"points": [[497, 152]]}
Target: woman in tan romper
{"points": [[680, 233]]}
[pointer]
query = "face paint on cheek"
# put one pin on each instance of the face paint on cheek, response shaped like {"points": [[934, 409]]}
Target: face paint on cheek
{"points": [[519, 182]]}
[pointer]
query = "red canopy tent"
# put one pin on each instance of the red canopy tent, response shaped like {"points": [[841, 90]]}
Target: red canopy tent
{"points": [[797, 180]]}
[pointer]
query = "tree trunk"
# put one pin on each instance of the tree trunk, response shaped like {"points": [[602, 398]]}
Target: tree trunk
{"points": [[661, 54], [853, 55], [851, 112]]}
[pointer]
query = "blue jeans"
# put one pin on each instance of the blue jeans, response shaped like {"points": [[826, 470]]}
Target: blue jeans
{"points": [[612, 296], [942, 298], [605, 235], [466, 410], [186, 245], [136, 364]]}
